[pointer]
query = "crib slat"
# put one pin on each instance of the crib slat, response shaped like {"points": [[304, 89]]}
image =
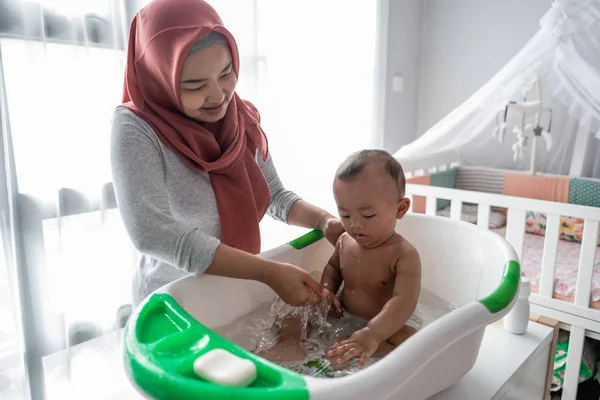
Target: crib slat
{"points": [[586, 263], [455, 209], [549, 257], [483, 215], [515, 229], [574, 353], [431, 205]]}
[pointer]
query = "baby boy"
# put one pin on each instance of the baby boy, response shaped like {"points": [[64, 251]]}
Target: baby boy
{"points": [[379, 269]]}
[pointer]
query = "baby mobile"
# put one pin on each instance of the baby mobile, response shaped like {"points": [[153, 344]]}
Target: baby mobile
{"points": [[536, 130]]}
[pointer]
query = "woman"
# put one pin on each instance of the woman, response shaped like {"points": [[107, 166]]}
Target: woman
{"points": [[190, 162]]}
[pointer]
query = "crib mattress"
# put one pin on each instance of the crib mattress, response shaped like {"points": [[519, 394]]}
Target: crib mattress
{"points": [[565, 273]]}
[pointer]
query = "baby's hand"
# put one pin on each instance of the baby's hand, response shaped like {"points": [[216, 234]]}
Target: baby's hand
{"points": [[336, 310], [363, 343]]}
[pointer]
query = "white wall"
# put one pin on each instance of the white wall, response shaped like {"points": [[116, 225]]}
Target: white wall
{"points": [[445, 50], [464, 43], [403, 58]]}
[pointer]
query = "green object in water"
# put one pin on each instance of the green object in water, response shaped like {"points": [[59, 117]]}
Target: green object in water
{"points": [[319, 368]]}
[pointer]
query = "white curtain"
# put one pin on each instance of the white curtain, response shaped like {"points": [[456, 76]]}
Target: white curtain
{"points": [[565, 55], [310, 74], [62, 74]]}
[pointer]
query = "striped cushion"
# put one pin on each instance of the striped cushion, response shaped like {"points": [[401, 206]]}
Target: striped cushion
{"points": [[469, 214], [480, 180]]}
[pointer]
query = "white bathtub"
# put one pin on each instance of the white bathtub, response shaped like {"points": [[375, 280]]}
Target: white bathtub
{"points": [[463, 264]]}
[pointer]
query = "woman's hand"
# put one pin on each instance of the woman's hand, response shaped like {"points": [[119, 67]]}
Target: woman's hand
{"points": [[294, 285], [331, 227], [363, 343]]}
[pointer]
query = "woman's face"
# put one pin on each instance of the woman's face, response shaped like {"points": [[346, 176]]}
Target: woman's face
{"points": [[207, 82]]}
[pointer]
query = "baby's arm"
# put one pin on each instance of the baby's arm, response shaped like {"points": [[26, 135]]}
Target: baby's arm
{"points": [[401, 306], [331, 279]]}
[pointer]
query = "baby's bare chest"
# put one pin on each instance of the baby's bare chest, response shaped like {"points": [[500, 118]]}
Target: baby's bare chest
{"points": [[368, 267]]}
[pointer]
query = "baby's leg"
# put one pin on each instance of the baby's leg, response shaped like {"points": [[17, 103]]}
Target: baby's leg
{"points": [[288, 346], [397, 339]]}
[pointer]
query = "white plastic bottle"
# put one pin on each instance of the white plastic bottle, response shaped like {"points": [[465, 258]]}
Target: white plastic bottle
{"points": [[517, 320]]}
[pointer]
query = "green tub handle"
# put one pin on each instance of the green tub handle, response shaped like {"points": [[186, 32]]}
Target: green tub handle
{"points": [[506, 291], [307, 239]]}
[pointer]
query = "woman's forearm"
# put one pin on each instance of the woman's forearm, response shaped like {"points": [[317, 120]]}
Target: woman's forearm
{"points": [[292, 284], [234, 263], [306, 215]]}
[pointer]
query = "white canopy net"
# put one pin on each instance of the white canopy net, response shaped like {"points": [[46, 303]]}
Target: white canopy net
{"points": [[564, 56]]}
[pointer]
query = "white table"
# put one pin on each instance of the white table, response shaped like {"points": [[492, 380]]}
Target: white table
{"points": [[508, 367]]}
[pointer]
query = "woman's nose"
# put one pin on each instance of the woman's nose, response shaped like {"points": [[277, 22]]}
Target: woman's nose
{"points": [[216, 95]]}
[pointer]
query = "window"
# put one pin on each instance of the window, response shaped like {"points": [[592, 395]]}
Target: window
{"points": [[61, 63], [91, 22]]}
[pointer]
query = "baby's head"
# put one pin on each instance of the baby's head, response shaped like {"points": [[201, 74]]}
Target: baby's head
{"points": [[369, 191]]}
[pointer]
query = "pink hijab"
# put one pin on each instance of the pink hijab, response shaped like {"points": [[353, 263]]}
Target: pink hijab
{"points": [[161, 35]]}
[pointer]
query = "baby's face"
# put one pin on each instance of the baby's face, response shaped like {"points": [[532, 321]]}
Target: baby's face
{"points": [[369, 206]]}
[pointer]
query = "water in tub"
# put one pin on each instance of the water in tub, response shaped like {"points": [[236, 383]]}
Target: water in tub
{"points": [[257, 332]]}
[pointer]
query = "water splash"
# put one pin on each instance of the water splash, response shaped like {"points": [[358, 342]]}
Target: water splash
{"points": [[314, 315], [318, 333]]}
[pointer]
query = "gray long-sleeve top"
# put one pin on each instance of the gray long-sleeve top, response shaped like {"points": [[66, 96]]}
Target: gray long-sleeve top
{"points": [[169, 209]]}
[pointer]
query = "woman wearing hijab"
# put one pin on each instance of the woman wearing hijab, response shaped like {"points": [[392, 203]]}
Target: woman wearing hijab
{"points": [[192, 173]]}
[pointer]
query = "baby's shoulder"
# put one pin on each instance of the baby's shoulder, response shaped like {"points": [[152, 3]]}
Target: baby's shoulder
{"points": [[403, 249], [343, 239]]}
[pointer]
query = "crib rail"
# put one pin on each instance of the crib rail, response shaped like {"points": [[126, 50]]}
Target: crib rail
{"points": [[430, 163], [579, 315]]}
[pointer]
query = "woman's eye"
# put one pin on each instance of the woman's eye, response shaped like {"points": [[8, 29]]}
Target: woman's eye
{"points": [[193, 89], [344, 216]]}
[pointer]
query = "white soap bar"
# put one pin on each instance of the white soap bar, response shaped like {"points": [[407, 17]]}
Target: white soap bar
{"points": [[223, 368]]}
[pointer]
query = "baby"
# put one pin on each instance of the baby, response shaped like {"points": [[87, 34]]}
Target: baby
{"points": [[379, 269]]}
